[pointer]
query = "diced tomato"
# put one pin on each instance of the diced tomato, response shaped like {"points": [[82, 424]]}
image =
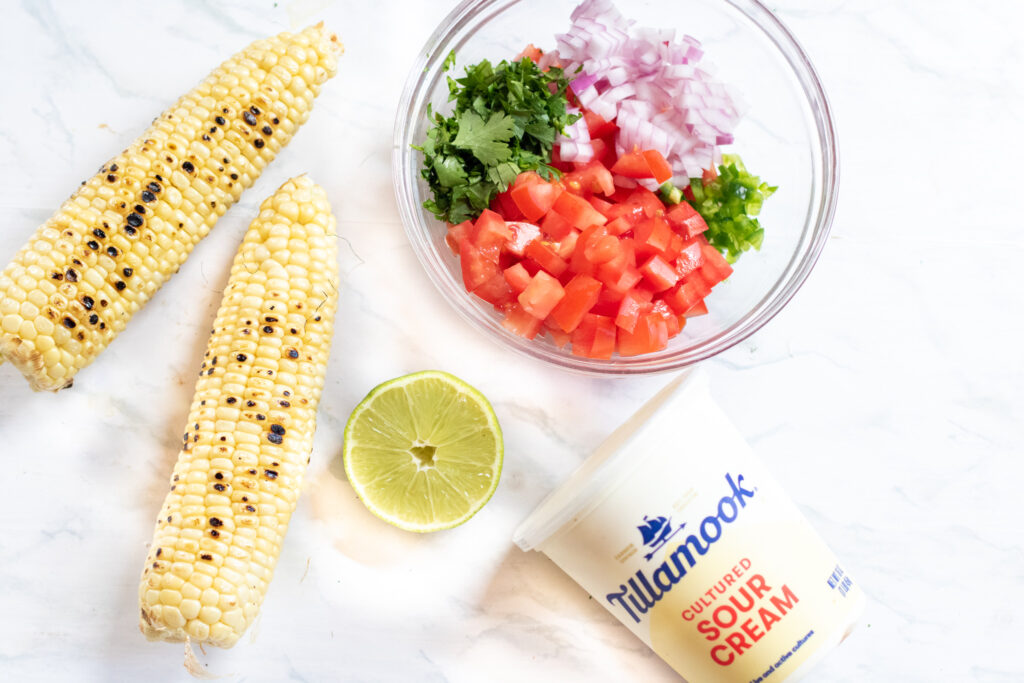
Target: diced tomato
{"points": [[496, 290], [534, 199], [655, 232], [457, 233], [660, 169], [476, 269], [709, 176], [699, 308], [675, 245], [583, 337], [632, 165], [555, 227], [544, 255], [671, 319], [620, 274], [607, 303], [517, 277], [527, 178], [503, 204], [685, 220], [619, 226], [579, 263], [629, 311], [595, 337], [626, 280], [565, 257], [578, 211], [522, 323], [541, 295], [649, 334], [602, 249], [531, 51], [709, 274], [603, 344], [490, 234], [522, 234], [567, 245], [597, 126], [601, 205], [659, 273], [690, 258], [701, 286], [629, 212], [716, 262], [558, 337], [581, 294], [592, 177], [647, 199], [601, 149]]}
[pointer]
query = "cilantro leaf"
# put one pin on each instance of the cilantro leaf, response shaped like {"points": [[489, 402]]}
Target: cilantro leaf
{"points": [[449, 171], [485, 139], [504, 120]]}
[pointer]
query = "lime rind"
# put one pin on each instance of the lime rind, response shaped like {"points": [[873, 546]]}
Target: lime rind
{"points": [[405, 412]]}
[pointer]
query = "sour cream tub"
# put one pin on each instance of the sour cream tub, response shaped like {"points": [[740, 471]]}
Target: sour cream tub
{"points": [[695, 548]]}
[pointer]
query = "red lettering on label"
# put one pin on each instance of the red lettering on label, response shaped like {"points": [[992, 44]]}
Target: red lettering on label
{"points": [[688, 612], [784, 605], [756, 583], [721, 655], [728, 620], [768, 618], [738, 642], [751, 629], [729, 579], [709, 631]]}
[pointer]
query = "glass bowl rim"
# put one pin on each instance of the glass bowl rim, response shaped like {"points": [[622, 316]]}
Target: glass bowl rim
{"points": [[821, 208]]}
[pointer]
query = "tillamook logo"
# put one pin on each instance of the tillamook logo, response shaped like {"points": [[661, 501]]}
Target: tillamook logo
{"points": [[640, 593]]}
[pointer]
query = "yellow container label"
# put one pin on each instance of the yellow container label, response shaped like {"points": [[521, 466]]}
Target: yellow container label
{"points": [[703, 556]]}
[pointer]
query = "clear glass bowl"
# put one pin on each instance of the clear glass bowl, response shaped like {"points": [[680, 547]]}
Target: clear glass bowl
{"points": [[786, 137]]}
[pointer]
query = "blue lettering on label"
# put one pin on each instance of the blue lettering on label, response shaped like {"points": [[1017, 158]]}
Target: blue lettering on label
{"points": [[639, 594]]}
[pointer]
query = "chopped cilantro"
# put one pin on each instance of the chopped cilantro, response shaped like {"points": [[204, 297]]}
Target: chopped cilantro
{"points": [[729, 205], [505, 121]]}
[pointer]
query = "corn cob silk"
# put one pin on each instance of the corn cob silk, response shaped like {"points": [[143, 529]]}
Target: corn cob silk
{"points": [[73, 287], [250, 429]]}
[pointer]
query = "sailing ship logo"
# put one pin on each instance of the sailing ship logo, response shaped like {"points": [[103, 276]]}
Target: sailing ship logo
{"points": [[656, 533]]}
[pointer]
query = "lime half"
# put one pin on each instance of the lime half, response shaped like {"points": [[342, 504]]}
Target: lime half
{"points": [[424, 451]]}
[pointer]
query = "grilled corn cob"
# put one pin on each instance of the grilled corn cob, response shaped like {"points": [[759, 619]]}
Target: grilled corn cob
{"points": [[250, 428], [73, 287]]}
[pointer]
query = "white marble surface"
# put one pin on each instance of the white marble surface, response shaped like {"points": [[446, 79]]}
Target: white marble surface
{"points": [[886, 397]]}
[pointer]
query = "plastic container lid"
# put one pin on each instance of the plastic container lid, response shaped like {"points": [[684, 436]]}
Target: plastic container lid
{"points": [[600, 473]]}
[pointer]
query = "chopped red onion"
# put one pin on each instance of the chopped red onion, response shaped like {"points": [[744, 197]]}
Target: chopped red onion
{"points": [[656, 86]]}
